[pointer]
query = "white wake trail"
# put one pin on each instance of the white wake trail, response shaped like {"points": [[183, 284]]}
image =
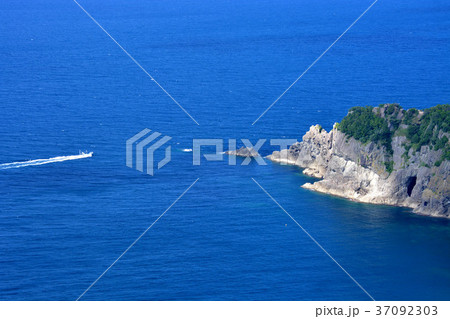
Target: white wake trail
{"points": [[45, 161]]}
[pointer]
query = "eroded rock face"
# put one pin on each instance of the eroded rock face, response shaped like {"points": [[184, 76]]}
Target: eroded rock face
{"points": [[357, 171]]}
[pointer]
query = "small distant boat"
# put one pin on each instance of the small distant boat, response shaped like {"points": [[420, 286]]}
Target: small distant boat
{"points": [[86, 154], [47, 160]]}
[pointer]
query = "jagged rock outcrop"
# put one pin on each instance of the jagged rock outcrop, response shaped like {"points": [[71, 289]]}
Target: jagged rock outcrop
{"points": [[359, 171]]}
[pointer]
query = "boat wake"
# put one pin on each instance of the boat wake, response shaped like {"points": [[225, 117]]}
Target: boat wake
{"points": [[45, 161]]}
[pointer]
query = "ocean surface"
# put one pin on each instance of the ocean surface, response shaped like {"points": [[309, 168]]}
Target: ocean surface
{"points": [[66, 86]]}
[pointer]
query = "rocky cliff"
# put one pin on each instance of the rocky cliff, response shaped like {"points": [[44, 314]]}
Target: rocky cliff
{"points": [[393, 157]]}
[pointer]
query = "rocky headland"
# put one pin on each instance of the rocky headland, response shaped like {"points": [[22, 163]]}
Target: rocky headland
{"points": [[380, 155]]}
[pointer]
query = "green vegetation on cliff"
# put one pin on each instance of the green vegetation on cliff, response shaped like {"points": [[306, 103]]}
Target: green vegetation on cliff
{"points": [[363, 124], [429, 130], [421, 128]]}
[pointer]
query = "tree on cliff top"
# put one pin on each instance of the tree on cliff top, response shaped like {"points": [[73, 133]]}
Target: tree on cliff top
{"points": [[364, 125], [428, 128]]}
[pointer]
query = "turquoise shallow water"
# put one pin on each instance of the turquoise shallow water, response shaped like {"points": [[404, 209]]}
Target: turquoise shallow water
{"points": [[67, 87]]}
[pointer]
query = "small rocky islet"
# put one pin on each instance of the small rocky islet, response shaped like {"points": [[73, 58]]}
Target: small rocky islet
{"points": [[244, 152]]}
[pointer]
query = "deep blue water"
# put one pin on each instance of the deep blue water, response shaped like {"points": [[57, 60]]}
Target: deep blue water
{"points": [[65, 87]]}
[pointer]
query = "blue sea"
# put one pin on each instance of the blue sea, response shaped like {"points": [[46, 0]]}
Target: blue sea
{"points": [[66, 86]]}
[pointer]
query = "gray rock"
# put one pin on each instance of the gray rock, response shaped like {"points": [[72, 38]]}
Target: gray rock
{"points": [[357, 171], [244, 152]]}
